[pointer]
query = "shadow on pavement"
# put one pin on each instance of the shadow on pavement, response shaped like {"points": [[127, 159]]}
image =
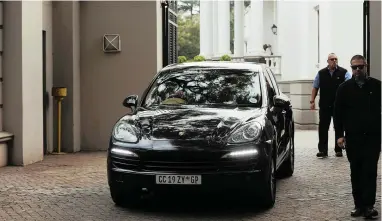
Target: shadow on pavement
{"points": [[199, 205]]}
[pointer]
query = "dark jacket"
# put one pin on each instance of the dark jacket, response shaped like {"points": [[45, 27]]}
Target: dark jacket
{"points": [[357, 111], [329, 85]]}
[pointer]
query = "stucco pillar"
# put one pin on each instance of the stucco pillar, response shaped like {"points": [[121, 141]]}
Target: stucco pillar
{"points": [[223, 28], [375, 39], [215, 23], [255, 43], [22, 75], [275, 48], [206, 27], [66, 71], [239, 28]]}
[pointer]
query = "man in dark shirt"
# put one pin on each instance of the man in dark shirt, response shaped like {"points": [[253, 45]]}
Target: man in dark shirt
{"points": [[357, 121], [327, 81]]}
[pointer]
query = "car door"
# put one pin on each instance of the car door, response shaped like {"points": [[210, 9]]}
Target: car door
{"points": [[287, 115], [274, 113], [278, 113]]}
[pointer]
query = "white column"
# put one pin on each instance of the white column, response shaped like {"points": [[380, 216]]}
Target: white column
{"points": [[206, 27], [22, 86], [215, 23], [255, 43], [239, 28], [275, 21], [223, 27]]}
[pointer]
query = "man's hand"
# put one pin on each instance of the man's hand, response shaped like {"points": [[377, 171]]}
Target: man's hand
{"points": [[341, 142], [312, 106]]}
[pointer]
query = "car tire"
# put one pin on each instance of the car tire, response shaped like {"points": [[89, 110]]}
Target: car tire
{"points": [[267, 190], [287, 168], [124, 196]]}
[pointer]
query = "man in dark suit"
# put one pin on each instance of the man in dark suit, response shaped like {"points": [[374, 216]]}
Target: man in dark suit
{"points": [[327, 81], [357, 121]]}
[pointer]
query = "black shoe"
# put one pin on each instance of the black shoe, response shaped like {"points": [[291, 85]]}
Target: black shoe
{"points": [[356, 212], [322, 154], [339, 154], [370, 213]]}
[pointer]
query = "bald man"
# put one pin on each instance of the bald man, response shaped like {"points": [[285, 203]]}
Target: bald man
{"points": [[327, 80]]}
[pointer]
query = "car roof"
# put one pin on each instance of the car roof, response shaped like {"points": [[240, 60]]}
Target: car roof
{"points": [[218, 64]]}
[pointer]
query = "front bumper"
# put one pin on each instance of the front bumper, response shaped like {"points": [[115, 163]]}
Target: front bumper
{"points": [[216, 173], [210, 181]]}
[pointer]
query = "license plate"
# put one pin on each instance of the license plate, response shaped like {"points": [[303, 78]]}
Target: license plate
{"points": [[179, 179]]}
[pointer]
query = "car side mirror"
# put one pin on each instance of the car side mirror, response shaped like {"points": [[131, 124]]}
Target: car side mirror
{"points": [[281, 101], [131, 102]]}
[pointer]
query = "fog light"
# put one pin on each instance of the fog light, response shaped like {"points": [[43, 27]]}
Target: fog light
{"points": [[242, 153], [123, 152]]}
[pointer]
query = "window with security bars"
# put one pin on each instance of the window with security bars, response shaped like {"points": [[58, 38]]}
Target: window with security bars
{"points": [[170, 32]]}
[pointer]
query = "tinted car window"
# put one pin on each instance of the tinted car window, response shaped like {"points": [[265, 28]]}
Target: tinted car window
{"points": [[203, 86], [270, 88], [273, 79]]}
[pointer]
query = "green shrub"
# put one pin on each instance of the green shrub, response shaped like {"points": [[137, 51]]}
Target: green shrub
{"points": [[199, 58], [182, 59], [225, 58]]}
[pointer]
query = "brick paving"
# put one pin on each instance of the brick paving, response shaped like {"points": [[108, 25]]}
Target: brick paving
{"points": [[74, 187]]}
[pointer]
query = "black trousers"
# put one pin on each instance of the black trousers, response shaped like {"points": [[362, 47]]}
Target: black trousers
{"points": [[326, 115], [363, 155]]}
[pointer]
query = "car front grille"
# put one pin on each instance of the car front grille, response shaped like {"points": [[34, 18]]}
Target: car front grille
{"points": [[183, 166], [206, 166]]}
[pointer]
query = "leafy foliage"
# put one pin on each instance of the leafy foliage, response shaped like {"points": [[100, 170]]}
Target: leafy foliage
{"points": [[189, 6], [182, 59], [225, 57], [199, 58], [188, 36], [189, 27]]}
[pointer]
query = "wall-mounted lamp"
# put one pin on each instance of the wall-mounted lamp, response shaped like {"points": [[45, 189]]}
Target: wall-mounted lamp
{"points": [[274, 29], [164, 3]]}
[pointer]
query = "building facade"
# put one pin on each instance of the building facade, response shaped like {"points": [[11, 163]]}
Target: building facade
{"points": [[101, 51], [294, 38]]}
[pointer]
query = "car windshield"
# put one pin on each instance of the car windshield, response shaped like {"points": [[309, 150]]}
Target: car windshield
{"points": [[205, 86]]}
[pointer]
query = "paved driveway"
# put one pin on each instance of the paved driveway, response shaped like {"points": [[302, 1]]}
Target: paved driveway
{"points": [[74, 187]]}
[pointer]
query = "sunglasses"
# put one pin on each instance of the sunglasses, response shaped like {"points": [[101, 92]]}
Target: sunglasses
{"points": [[357, 67], [333, 59]]}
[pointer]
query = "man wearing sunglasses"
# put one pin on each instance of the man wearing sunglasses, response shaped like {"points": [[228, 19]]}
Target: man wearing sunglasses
{"points": [[357, 116], [327, 81]]}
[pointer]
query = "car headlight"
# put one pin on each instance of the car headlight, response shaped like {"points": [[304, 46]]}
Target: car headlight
{"points": [[246, 133], [125, 132]]}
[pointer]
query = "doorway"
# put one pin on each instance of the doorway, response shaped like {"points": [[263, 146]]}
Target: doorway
{"points": [[45, 94]]}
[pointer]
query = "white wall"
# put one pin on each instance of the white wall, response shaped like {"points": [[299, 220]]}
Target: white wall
{"points": [[298, 32], [293, 34], [346, 31]]}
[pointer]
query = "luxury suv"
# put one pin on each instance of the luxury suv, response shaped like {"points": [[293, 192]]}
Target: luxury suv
{"points": [[203, 126]]}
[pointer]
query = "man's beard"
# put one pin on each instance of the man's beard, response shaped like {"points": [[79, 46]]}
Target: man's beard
{"points": [[360, 78]]}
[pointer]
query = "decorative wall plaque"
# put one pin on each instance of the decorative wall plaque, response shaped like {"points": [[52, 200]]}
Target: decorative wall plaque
{"points": [[111, 43]]}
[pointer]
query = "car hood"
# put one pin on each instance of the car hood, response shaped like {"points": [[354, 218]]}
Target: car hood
{"points": [[212, 124]]}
